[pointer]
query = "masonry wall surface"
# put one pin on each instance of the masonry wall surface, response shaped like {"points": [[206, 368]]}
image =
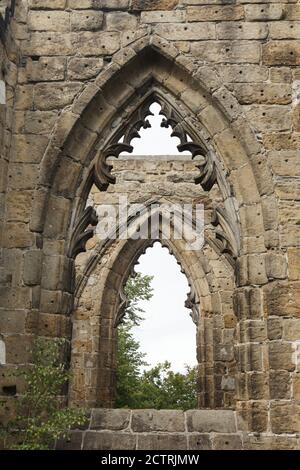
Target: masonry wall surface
{"points": [[196, 430], [72, 70]]}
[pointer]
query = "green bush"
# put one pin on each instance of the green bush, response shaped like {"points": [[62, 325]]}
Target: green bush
{"points": [[41, 416]]}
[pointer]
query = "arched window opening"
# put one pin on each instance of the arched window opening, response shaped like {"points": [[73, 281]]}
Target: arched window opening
{"points": [[142, 165], [156, 359], [155, 138]]}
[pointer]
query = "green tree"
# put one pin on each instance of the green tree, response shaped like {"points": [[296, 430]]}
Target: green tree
{"points": [[41, 416], [138, 288], [130, 359], [159, 387]]}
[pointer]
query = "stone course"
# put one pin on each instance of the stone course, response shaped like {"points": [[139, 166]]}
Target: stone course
{"points": [[115, 429]]}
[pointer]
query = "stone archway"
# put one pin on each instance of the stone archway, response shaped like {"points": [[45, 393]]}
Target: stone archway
{"points": [[99, 307], [210, 118]]}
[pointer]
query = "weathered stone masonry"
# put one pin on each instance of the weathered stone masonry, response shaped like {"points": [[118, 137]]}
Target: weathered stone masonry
{"points": [[78, 76]]}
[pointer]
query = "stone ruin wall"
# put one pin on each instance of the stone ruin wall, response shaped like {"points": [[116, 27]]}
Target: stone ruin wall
{"points": [[172, 178], [56, 54], [169, 430]]}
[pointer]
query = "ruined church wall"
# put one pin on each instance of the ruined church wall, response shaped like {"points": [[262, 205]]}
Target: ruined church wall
{"points": [[248, 55]]}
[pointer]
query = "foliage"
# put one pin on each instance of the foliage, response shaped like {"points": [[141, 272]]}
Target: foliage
{"points": [[137, 288], [159, 387], [41, 418], [130, 361]]}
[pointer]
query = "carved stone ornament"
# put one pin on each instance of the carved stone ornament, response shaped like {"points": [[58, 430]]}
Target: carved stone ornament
{"points": [[227, 227], [81, 233], [103, 176], [226, 240], [122, 143], [193, 304]]}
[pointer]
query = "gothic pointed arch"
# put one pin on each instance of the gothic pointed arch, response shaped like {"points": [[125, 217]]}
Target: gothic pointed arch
{"points": [[91, 121], [212, 119], [101, 303]]}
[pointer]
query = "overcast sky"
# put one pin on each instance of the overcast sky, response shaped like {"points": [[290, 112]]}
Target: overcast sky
{"points": [[156, 140], [168, 332]]}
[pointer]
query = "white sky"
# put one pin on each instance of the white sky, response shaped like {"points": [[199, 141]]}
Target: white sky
{"points": [[156, 140], [168, 332]]}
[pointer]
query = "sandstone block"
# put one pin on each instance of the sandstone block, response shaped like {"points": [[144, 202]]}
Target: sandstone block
{"points": [[84, 68], [281, 356], [284, 30], [285, 163], [229, 52], [157, 420], [296, 117], [45, 69], [58, 217], [199, 442], [276, 266], [233, 30], [120, 21], [176, 16], [114, 420], [18, 349], [264, 12], [51, 301], [285, 417], [281, 53], [19, 206], [258, 386], [54, 96], [274, 326], [32, 267], [49, 4], [227, 442], [263, 94], [292, 12], [48, 44], [86, 20], [138, 5], [17, 235], [244, 73], [96, 43], [39, 122], [281, 75], [294, 263], [215, 13], [291, 329], [282, 299], [55, 275], [280, 385], [12, 321], [88, 4], [162, 442], [286, 141], [186, 32], [270, 118], [211, 421], [108, 441], [296, 386], [53, 326], [49, 21], [24, 97], [23, 175]]}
